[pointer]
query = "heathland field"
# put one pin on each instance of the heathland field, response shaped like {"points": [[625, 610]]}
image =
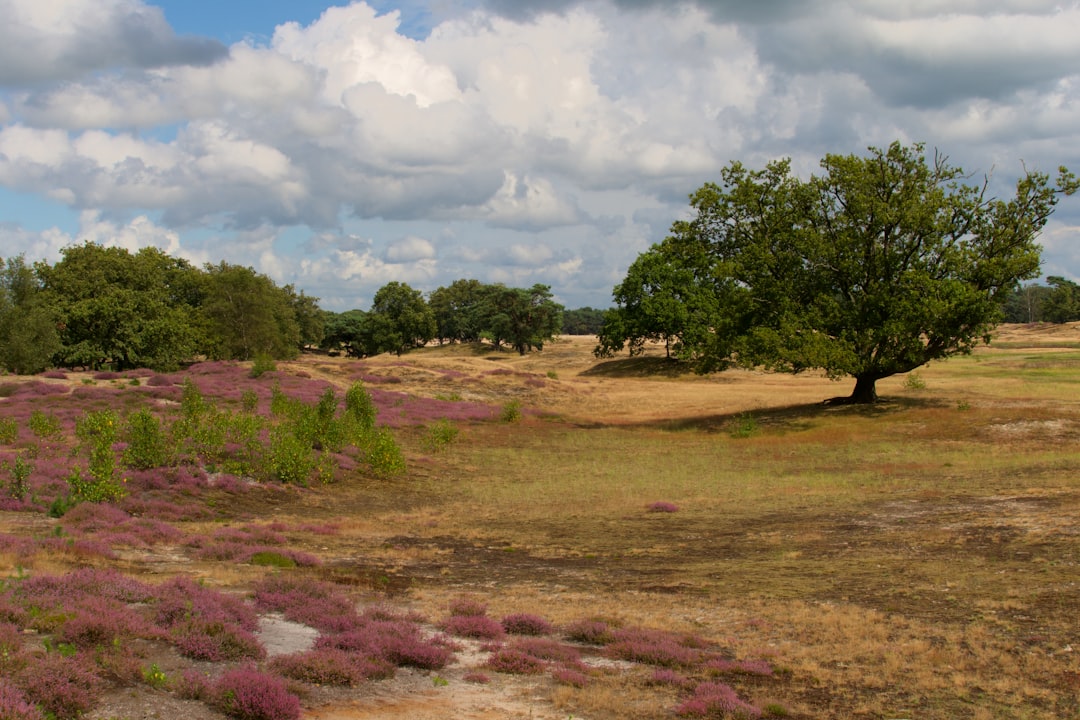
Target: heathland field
{"points": [[463, 533]]}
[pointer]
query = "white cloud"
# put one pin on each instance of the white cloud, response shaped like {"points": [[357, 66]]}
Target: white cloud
{"points": [[410, 249], [549, 143], [47, 40]]}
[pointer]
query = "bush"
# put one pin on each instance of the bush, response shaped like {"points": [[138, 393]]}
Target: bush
{"points": [[44, 427], [716, 700], [473, 626], [14, 705], [360, 408], [440, 434], [9, 431], [147, 445], [289, 459], [467, 605], [325, 666], [19, 470], [60, 685], [262, 364], [384, 455], [247, 694], [511, 412], [515, 662], [97, 431], [525, 624]]}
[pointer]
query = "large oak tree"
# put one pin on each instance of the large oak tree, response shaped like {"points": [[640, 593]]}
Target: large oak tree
{"points": [[873, 267]]}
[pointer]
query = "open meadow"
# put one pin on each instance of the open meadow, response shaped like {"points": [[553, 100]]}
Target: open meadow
{"points": [[544, 536]]}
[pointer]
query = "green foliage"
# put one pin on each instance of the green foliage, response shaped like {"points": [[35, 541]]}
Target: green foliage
{"points": [[583, 321], [872, 268], [249, 401], [28, 336], [9, 430], [458, 312], [269, 558], [511, 411], [127, 310], [400, 319], [147, 444], [523, 319], [262, 364], [914, 381], [1062, 302], [19, 472], [247, 314], [44, 426], [440, 434], [744, 426], [359, 408], [97, 432], [384, 454], [288, 459], [155, 677], [349, 331], [192, 403]]}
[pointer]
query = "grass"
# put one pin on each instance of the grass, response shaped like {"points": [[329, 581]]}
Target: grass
{"points": [[910, 559]]}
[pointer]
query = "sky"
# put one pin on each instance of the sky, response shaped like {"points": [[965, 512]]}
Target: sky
{"points": [[340, 147]]}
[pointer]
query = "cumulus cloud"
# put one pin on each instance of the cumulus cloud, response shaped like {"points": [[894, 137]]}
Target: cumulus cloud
{"points": [[546, 141], [49, 40]]}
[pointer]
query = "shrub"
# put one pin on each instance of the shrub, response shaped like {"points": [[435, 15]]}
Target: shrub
{"points": [[60, 685], [663, 507], [360, 408], [546, 649], [652, 648], [566, 676], [720, 666], [325, 666], [19, 482], [9, 431], [98, 431], [589, 632], [249, 401], [666, 676], [247, 694], [716, 700], [440, 434], [147, 446], [525, 624], [477, 677], [384, 455], [289, 459], [215, 641], [467, 605], [262, 364], [473, 626], [154, 676], [745, 426], [515, 662], [14, 705], [44, 427], [511, 412]]}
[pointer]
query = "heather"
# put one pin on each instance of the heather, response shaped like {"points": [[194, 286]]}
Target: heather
{"points": [[839, 561]]}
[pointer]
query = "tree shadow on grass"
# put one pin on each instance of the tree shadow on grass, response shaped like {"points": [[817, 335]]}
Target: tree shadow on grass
{"points": [[640, 367], [786, 418]]}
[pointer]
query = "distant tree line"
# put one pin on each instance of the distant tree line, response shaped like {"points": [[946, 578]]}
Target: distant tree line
{"points": [[101, 306], [1056, 302], [467, 311], [105, 306]]}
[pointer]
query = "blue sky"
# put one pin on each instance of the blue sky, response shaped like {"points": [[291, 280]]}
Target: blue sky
{"points": [[339, 147]]}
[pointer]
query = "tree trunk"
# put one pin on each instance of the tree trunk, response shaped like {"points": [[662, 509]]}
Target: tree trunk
{"points": [[865, 391]]}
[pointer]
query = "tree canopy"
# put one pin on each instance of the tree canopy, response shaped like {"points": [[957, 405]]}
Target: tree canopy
{"points": [[873, 267]]}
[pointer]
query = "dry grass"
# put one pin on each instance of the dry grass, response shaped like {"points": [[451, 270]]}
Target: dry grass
{"points": [[915, 559]]}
